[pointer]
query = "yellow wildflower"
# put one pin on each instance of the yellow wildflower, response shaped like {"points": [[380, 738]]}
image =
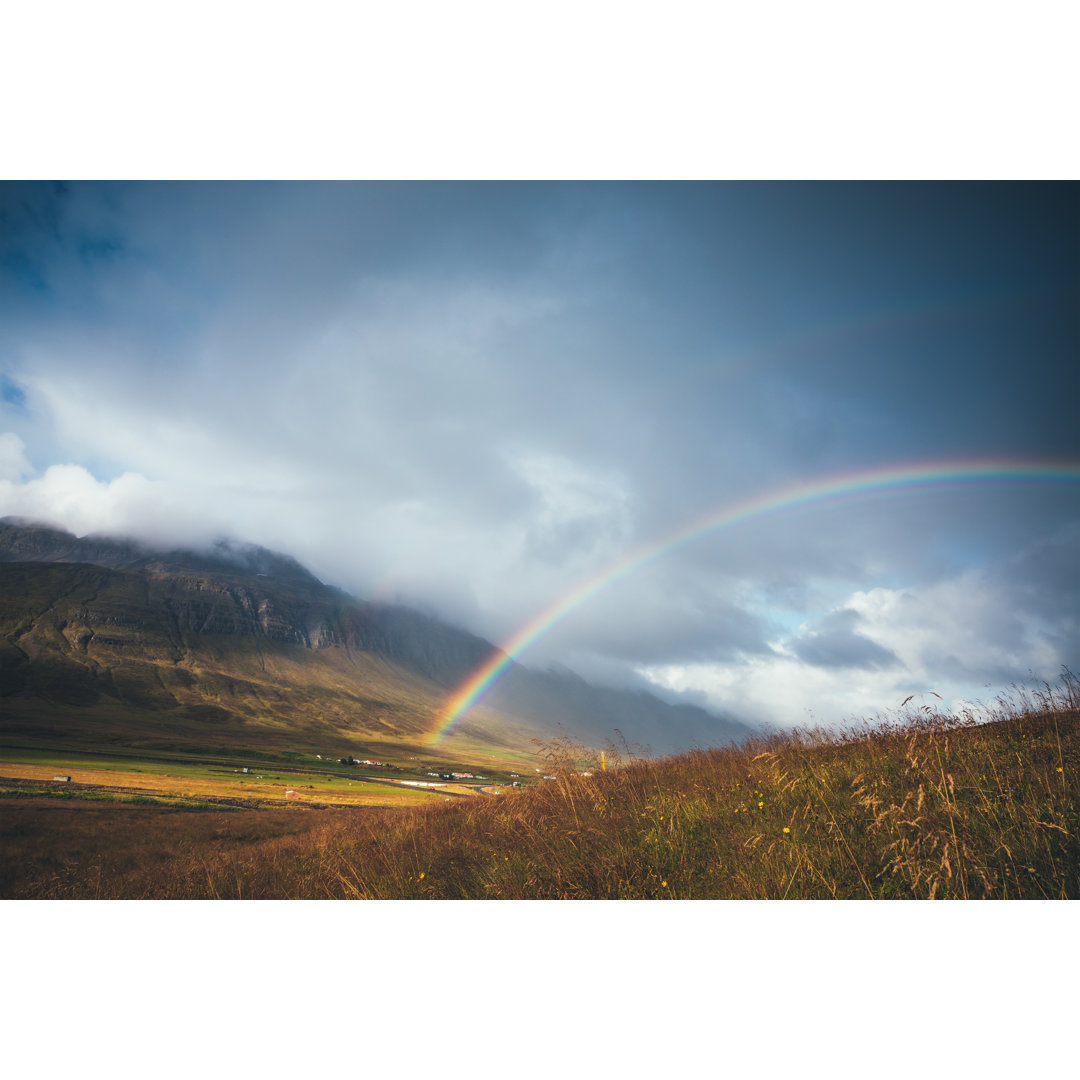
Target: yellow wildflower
{"points": [[786, 829]]}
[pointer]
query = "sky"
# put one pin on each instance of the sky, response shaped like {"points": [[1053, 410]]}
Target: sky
{"points": [[477, 397]]}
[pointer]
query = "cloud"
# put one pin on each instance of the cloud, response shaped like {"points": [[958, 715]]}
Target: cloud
{"points": [[833, 642], [991, 625], [68, 496], [965, 637], [14, 465]]}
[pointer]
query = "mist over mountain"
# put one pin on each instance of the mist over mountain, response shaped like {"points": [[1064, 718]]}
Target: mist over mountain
{"points": [[174, 643], [23, 540]]}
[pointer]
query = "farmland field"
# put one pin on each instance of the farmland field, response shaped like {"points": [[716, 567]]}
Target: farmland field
{"points": [[28, 772]]}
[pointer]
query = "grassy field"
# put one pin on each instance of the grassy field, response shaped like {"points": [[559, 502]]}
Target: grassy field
{"points": [[30, 772], [919, 806]]}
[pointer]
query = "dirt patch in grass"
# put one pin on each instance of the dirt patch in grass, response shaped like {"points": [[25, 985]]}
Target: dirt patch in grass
{"points": [[70, 849]]}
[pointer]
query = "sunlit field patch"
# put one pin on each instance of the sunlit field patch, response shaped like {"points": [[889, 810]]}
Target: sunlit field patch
{"points": [[183, 781]]}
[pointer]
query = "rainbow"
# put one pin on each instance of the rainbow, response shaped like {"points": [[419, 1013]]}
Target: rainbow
{"points": [[814, 492]]}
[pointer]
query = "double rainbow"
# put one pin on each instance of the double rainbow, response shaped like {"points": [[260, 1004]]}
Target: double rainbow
{"points": [[830, 489]]}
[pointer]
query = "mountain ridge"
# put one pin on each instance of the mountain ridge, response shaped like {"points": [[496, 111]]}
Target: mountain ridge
{"points": [[247, 639]]}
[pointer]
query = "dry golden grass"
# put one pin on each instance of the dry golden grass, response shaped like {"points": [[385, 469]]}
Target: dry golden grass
{"points": [[917, 806]]}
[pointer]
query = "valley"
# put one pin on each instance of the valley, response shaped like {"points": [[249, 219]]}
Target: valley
{"points": [[235, 679], [190, 784]]}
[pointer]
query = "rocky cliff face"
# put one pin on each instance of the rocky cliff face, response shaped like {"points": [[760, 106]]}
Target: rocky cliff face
{"points": [[248, 591]]}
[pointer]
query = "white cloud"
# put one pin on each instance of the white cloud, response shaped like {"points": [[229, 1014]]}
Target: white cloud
{"points": [[966, 635], [966, 629], [14, 465], [966, 638], [68, 496], [778, 690], [577, 512]]}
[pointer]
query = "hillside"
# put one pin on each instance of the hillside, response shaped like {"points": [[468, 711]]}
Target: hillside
{"points": [[112, 641], [925, 807]]}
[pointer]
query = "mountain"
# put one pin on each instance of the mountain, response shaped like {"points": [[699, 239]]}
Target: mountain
{"points": [[237, 645]]}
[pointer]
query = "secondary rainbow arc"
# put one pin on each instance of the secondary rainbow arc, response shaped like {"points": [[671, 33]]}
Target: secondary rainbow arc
{"points": [[822, 490]]}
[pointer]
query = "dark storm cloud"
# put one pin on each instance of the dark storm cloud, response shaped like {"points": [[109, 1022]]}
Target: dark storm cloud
{"points": [[834, 642], [648, 623]]}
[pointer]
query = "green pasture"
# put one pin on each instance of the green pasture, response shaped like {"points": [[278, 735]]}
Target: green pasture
{"points": [[259, 782]]}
